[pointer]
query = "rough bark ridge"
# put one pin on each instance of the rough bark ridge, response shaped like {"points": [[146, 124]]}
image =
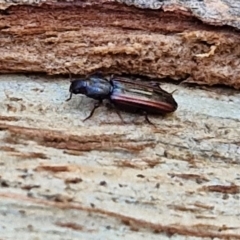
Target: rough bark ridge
{"points": [[218, 12], [86, 36]]}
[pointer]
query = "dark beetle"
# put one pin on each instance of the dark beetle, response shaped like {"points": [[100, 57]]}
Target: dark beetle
{"points": [[125, 94]]}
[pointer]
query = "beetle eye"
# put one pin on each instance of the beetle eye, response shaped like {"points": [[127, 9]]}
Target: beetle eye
{"points": [[78, 87], [78, 90]]}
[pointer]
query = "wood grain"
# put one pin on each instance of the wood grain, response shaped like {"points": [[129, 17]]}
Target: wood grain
{"points": [[61, 178]]}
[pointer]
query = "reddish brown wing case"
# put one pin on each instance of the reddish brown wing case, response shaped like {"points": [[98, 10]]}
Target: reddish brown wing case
{"points": [[134, 96]]}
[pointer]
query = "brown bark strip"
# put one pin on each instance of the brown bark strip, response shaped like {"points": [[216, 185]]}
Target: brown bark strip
{"points": [[59, 140], [115, 38], [198, 230], [8, 118], [232, 189], [194, 177]]}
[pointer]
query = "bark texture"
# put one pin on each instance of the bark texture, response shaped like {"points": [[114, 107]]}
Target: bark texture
{"points": [[217, 12], [88, 36]]}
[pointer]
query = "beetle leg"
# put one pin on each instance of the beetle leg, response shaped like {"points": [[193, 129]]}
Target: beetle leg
{"points": [[174, 91], [70, 76], [69, 97], [147, 119], [111, 106], [96, 105], [120, 116]]}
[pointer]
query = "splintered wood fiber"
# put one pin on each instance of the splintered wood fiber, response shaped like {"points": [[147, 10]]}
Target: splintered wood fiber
{"points": [[117, 39]]}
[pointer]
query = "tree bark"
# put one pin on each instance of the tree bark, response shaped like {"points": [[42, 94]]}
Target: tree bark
{"points": [[111, 37]]}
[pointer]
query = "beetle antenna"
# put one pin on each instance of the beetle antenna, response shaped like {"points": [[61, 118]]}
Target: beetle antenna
{"points": [[70, 74]]}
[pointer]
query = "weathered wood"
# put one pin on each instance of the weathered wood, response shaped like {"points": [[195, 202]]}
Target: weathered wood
{"points": [[114, 38], [64, 179], [61, 178], [217, 12]]}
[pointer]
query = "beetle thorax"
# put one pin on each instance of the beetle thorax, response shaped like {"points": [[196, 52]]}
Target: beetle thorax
{"points": [[98, 89]]}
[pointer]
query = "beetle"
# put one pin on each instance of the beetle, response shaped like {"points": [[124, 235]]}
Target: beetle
{"points": [[125, 94]]}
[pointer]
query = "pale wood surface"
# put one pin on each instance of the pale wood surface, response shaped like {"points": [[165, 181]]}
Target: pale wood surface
{"points": [[65, 179]]}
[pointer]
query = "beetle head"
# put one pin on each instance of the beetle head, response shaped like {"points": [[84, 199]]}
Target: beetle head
{"points": [[77, 86]]}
